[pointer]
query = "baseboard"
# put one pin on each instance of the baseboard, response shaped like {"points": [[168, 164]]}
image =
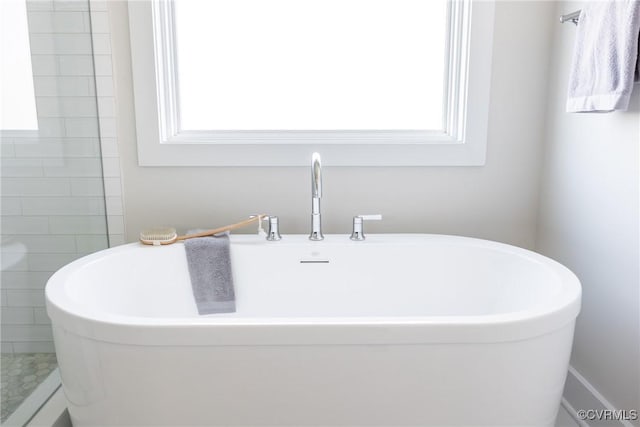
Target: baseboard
{"points": [[53, 413], [579, 394], [573, 412]]}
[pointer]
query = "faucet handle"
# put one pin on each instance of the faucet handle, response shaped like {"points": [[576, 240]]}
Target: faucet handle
{"points": [[274, 232], [358, 230], [373, 217]]}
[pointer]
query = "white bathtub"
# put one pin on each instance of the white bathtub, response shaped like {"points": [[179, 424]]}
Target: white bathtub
{"points": [[398, 330]]}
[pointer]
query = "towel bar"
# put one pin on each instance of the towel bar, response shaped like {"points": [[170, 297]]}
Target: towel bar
{"points": [[572, 17]]}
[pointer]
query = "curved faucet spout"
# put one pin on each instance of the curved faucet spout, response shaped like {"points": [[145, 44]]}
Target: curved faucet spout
{"points": [[316, 195], [316, 176]]}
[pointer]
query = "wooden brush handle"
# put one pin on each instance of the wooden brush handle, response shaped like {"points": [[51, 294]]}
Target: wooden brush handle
{"points": [[221, 229]]}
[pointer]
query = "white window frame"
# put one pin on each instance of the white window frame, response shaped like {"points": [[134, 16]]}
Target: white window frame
{"points": [[466, 108]]}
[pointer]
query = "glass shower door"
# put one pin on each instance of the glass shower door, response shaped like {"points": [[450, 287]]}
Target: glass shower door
{"points": [[52, 204]]}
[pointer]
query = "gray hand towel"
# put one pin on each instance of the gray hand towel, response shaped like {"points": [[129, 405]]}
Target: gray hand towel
{"points": [[209, 263]]}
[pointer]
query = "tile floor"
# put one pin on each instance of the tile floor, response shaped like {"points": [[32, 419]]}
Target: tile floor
{"points": [[20, 374]]}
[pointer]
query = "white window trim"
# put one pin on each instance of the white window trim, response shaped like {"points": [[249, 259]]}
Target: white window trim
{"points": [[162, 143]]}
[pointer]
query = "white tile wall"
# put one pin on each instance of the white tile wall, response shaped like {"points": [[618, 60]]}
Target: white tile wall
{"points": [[114, 205], [73, 106], [24, 298], [53, 206], [21, 168], [106, 106], [75, 65], [14, 262], [63, 206], [113, 188], [90, 244], [61, 44], [25, 279], [38, 5], [81, 127], [79, 107], [32, 347], [87, 187], [35, 187], [58, 148], [116, 239], [49, 107], [99, 18], [49, 262], [61, 22], [10, 205], [104, 84], [17, 316], [36, 244], [78, 5], [21, 163], [74, 224], [27, 333], [40, 316], [44, 65], [12, 225], [98, 6], [51, 126], [73, 167], [103, 65], [64, 85], [7, 150], [102, 44], [111, 167], [116, 224]]}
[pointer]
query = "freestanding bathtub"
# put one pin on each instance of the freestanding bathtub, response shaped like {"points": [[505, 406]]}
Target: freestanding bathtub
{"points": [[397, 330]]}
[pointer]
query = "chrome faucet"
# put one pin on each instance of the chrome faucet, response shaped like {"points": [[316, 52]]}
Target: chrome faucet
{"points": [[316, 195]]}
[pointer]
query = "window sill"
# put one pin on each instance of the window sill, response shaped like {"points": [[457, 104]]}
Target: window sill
{"points": [[337, 152]]}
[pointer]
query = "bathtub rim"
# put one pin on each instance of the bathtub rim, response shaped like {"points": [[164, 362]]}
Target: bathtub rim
{"points": [[211, 330]]}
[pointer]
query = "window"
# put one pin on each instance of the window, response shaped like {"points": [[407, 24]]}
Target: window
{"points": [[266, 82], [18, 109], [300, 65]]}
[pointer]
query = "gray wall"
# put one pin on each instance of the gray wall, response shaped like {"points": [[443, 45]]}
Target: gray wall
{"points": [[589, 221], [497, 201]]}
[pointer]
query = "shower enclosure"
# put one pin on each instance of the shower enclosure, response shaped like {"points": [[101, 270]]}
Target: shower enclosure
{"points": [[53, 203]]}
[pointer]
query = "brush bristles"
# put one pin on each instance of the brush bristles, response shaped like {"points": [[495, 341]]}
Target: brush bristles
{"points": [[158, 236]]}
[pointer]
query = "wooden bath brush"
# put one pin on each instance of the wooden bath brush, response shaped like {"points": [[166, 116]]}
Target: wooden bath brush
{"points": [[167, 235]]}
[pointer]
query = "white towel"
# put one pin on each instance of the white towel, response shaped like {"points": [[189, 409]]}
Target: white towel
{"points": [[605, 56]]}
